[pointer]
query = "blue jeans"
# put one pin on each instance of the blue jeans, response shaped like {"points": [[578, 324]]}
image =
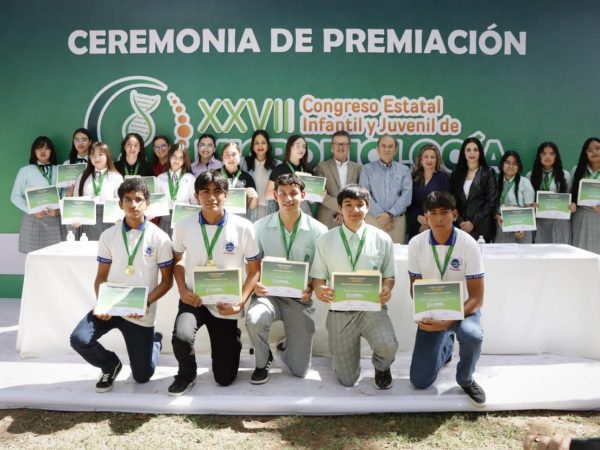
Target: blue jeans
{"points": [[142, 347], [433, 349]]}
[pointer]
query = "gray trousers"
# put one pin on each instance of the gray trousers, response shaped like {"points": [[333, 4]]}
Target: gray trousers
{"points": [[298, 322], [345, 329]]}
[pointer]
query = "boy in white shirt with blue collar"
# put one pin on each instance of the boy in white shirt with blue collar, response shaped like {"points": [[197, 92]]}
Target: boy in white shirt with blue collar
{"points": [[132, 253]]}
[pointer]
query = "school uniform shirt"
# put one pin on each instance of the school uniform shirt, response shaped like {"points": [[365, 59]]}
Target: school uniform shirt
{"points": [[330, 255], [110, 186], [465, 263], [144, 169], [236, 245], [525, 196], [153, 254], [185, 193], [244, 180], [29, 176], [553, 187], [270, 241]]}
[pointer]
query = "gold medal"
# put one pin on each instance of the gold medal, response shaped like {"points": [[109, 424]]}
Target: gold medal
{"points": [[129, 270], [211, 263]]}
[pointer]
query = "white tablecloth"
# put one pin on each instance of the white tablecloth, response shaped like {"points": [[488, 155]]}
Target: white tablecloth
{"points": [[538, 298]]}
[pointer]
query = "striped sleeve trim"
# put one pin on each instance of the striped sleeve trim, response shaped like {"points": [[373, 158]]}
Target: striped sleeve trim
{"points": [[102, 260], [474, 277], [166, 264], [414, 275], [254, 258]]}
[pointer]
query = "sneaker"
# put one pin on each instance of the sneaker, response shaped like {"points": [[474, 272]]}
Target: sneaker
{"points": [[158, 337], [180, 386], [281, 345], [476, 394], [105, 383], [383, 379], [450, 357], [261, 375]]}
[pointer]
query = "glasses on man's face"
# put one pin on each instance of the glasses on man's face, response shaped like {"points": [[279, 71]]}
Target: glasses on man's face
{"points": [[81, 140], [161, 147], [341, 145], [206, 146]]}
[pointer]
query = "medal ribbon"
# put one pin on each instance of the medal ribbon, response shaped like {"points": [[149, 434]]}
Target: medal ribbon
{"points": [[210, 247], [291, 167], [442, 270], [229, 180], [506, 189], [135, 169], [173, 186], [288, 248], [46, 172], [131, 256], [358, 251], [98, 185]]}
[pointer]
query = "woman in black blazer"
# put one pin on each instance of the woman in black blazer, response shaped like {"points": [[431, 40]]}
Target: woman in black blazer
{"points": [[473, 183]]}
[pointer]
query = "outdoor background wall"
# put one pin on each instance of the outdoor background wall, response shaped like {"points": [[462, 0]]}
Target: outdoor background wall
{"points": [[547, 88]]}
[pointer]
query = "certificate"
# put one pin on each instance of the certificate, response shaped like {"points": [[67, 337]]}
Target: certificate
{"points": [[356, 291], [284, 278], [41, 198], [112, 212], [67, 174], [78, 210], [313, 187], [552, 205], [589, 192], [215, 285], [236, 201], [159, 206], [182, 210], [438, 300], [121, 300], [150, 182], [517, 219]]}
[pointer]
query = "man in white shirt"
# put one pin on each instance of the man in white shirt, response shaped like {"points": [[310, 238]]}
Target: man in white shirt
{"points": [[448, 254], [212, 238], [338, 171], [132, 253]]}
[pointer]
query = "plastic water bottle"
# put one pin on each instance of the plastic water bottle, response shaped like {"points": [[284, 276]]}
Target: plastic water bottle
{"points": [[481, 242], [70, 236], [83, 237]]}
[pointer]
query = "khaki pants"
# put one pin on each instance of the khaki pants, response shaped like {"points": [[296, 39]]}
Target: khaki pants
{"points": [[398, 233]]}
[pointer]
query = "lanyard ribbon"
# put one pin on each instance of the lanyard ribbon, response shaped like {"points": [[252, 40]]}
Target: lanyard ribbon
{"points": [[173, 185], [288, 248], [46, 172], [232, 181], [210, 246], [131, 256], [441, 269], [358, 251], [291, 167], [133, 171]]}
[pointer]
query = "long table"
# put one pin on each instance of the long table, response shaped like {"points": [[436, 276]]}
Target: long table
{"points": [[538, 299]]}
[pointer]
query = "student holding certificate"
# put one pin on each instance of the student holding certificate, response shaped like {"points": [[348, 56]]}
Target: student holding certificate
{"points": [[238, 178], [515, 191], [447, 254], [177, 182], [133, 157], [289, 234], [351, 247], [213, 239], [99, 181], [130, 253], [38, 229], [548, 176], [586, 220]]}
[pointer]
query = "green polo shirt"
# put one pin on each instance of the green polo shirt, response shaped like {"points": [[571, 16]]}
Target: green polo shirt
{"points": [[270, 242], [330, 256]]}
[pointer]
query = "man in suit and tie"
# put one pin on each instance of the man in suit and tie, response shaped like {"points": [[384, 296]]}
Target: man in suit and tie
{"points": [[339, 172]]}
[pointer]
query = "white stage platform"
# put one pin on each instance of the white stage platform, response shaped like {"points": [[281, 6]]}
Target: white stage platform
{"points": [[511, 382]]}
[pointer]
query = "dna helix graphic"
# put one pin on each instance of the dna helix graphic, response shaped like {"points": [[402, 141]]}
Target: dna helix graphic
{"points": [[141, 121]]}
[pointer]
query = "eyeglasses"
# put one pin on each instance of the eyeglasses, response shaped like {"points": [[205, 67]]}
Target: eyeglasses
{"points": [[511, 164], [596, 148], [341, 145], [81, 140], [161, 147], [207, 146]]}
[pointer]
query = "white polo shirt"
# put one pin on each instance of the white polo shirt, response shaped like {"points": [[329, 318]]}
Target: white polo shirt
{"points": [[110, 186], [154, 253], [236, 245], [185, 193], [465, 263]]}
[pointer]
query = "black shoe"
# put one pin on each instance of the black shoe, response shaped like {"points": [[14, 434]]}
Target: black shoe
{"points": [[180, 386], [105, 383], [158, 337], [476, 394], [450, 357], [261, 376], [281, 345], [383, 379]]}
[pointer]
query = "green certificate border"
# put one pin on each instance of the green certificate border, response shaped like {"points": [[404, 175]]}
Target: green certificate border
{"points": [[112, 212], [284, 278], [589, 192], [355, 291], [438, 300], [41, 198], [518, 219], [214, 285], [121, 300], [553, 205], [236, 201], [182, 210], [66, 174], [78, 210]]}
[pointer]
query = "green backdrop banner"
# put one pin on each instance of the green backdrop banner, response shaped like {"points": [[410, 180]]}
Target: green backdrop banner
{"points": [[513, 73]]}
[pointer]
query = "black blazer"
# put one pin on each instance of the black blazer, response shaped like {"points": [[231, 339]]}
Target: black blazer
{"points": [[479, 207], [144, 170]]}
